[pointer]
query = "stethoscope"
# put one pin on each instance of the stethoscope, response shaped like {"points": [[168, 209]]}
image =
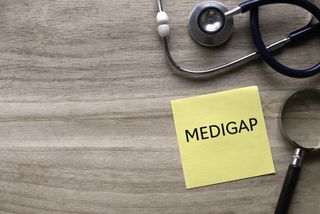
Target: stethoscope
{"points": [[211, 24]]}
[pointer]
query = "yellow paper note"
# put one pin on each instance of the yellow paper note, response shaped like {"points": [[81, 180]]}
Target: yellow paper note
{"points": [[222, 137]]}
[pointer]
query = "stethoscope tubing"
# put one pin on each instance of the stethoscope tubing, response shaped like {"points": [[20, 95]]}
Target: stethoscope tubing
{"points": [[224, 67], [265, 54], [265, 51]]}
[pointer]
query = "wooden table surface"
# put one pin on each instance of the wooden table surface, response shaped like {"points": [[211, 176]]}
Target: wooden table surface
{"points": [[86, 124]]}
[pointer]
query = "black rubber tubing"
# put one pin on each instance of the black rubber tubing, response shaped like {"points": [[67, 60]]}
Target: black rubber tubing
{"points": [[264, 53]]}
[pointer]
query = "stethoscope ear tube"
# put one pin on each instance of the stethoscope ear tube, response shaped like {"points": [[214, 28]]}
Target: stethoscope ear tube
{"points": [[267, 56], [304, 32]]}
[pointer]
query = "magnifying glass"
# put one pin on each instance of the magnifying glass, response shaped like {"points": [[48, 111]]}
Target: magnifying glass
{"points": [[300, 125]]}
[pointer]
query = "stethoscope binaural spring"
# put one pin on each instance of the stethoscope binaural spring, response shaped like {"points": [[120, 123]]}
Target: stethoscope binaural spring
{"points": [[211, 24]]}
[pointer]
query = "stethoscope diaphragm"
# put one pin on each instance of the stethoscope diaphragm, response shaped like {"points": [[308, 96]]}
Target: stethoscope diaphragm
{"points": [[208, 24]]}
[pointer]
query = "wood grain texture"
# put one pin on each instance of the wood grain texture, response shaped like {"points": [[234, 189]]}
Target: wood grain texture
{"points": [[86, 124]]}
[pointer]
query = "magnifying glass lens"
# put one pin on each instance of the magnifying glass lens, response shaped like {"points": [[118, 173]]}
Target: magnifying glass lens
{"points": [[211, 20], [301, 118]]}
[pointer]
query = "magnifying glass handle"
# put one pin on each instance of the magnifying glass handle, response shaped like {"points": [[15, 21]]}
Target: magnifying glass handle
{"points": [[287, 189], [290, 182]]}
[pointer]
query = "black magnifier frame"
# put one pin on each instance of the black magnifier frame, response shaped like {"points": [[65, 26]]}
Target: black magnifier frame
{"points": [[297, 158]]}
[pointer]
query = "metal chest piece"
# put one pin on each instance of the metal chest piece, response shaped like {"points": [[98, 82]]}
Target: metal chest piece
{"points": [[208, 24]]}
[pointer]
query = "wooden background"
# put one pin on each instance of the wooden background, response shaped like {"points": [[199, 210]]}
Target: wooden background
{"points": [[85, 120]]}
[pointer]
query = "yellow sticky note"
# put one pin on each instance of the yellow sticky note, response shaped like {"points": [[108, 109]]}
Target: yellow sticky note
{"points": [[222, 137]]}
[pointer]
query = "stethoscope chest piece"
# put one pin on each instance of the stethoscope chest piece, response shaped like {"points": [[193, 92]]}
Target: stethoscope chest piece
{"points": [[208, 24]]}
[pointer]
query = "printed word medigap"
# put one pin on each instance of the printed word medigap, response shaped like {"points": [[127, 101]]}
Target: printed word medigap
{"points": [[212, 131]]}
